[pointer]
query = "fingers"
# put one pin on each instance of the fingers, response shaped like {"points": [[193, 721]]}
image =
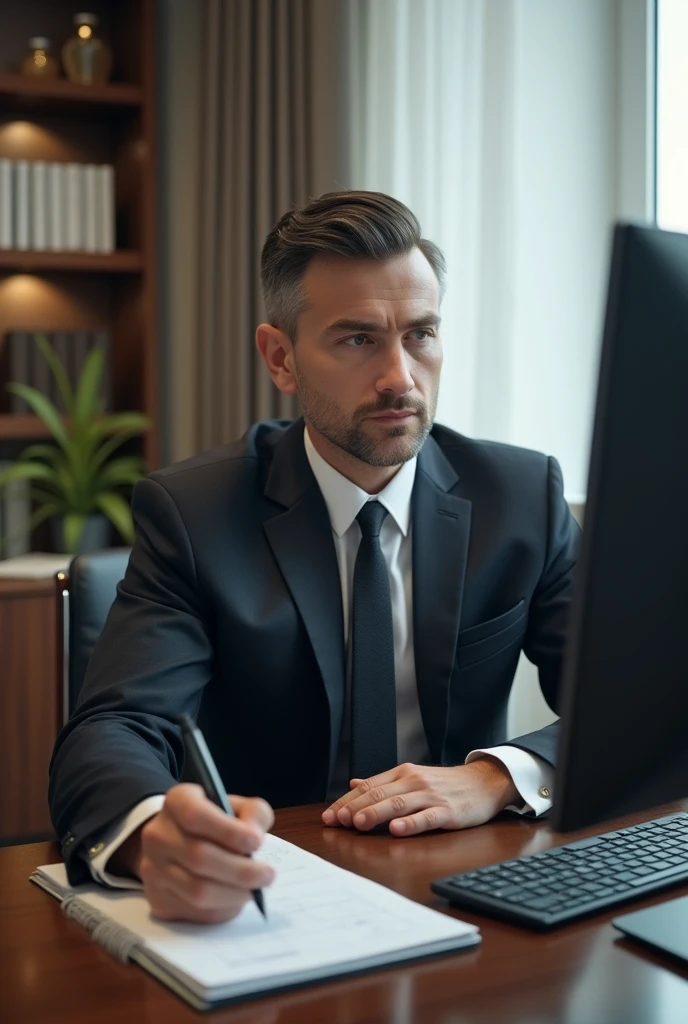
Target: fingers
{"points": [[396, 802], [164, 844], [195, 815], [194, 863], [175, 895], [423, 821], [254, 811], [338, 813]]}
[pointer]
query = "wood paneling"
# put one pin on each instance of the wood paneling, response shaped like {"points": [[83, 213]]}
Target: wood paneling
{"points": [[29, 706]]}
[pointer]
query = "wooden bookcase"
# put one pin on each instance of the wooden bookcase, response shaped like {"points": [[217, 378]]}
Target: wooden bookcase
{"points": [[57, 120]]}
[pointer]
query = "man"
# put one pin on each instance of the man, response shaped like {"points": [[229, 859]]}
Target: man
{"points": [[341, 601]]}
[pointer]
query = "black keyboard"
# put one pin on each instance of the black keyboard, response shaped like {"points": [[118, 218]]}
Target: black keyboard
{"points": [[558, 885]]}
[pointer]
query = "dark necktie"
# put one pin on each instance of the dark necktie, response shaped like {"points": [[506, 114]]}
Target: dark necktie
{"points": [[373, 696]]}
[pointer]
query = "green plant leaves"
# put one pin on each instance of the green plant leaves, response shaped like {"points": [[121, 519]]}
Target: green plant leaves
{"points": [[26, 471], [77, 476], [125, 470], [118, 512], [58, 371], [73, 528], [88, 402], [44, 408]]}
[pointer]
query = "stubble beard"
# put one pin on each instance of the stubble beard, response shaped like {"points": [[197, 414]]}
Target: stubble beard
{"points": [[351, 437]]}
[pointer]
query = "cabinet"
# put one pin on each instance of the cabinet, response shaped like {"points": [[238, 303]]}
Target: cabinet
{"points": [[30, 706]]}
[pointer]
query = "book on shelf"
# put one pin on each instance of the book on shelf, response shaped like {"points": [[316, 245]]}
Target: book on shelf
{"points": [[74, 208], [39, 206], [60, 342], [40, 374], [15, 512], [22, 205], [60, 207], [19, 368], [106, 208], [57, 186], [26, 364], [101, 340], [90, 198], [6, 204]]}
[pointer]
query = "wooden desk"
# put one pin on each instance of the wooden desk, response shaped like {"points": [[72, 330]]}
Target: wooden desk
{"points": [[579, 974]]}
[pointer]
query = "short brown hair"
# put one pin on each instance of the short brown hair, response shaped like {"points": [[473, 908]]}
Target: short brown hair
{"points": [[363, 225]]}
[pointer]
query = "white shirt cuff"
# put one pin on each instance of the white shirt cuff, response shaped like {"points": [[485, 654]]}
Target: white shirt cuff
{"points": [[532, 777], [101, 851]]}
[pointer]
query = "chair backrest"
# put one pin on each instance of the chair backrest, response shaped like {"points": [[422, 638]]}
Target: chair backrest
{"points": [[92, 588]]}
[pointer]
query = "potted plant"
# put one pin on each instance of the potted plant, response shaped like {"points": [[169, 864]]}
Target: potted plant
{"points": [[76, 481]]}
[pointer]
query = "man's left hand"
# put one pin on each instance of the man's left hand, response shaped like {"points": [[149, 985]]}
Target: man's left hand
{"points": [[416, 798]]}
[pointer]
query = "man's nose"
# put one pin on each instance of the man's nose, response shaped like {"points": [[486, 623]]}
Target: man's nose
{"points": [[396, 375]]}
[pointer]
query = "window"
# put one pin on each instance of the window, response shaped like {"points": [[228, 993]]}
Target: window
{"points": [[672, 115]]}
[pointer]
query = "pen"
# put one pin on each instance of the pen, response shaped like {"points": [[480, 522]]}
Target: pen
{"points": [[209, 778]]}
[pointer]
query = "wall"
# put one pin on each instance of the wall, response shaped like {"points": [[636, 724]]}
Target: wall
{"points": [[596, 165]]}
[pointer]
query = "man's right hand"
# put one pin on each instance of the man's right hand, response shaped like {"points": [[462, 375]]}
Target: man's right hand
{"points": [[191, 856]]}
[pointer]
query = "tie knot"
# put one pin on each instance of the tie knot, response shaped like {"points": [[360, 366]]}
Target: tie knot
{"points": [[371, 517]]}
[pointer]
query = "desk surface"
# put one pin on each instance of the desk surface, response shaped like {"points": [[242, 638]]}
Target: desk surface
{"points": [[579, 974]]}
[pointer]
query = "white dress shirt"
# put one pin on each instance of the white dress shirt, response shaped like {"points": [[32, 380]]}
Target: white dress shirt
{"points": [[531, 775]]}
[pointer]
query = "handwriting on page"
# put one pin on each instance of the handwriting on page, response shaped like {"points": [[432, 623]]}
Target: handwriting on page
{"points": [[315, 914]]}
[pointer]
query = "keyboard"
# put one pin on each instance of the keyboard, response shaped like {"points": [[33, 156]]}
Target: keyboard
{"points": [[558, 885]]}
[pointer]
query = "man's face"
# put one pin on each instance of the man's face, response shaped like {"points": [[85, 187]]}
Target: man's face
{"points": [[368, 355]]}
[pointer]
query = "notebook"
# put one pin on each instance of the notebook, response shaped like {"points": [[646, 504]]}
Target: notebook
{"points": [[323, 922]]}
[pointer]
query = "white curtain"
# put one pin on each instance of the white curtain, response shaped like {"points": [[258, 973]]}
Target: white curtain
{"points": [[501, 124], [431, 84]]}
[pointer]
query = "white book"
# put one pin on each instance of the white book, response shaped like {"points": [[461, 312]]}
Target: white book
{"points": [[322, 922], [74, 206], [105, 234], [56, 207], [22, 205], [16, 513], [90, 173], [6, 203], [39, 206], [37, 565]]}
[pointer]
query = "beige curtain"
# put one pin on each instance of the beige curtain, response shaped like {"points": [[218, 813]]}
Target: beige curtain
{"points": [[273, 134]]}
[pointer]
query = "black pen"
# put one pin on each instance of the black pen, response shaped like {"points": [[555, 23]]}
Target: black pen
{"points": [[208, 777]]}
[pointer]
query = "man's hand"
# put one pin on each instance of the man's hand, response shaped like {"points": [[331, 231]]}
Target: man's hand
{"points": [[191, 856], [415, 798]]}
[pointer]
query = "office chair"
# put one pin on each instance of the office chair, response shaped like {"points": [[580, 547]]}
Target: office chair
{"points": [[85, 594]]}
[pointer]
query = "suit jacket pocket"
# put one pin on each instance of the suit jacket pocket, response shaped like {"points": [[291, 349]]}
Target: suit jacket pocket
{"points": [[489, 638]]}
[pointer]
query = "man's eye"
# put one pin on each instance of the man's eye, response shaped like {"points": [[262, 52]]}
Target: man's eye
{"points": [[356, 340], [427, 334]]}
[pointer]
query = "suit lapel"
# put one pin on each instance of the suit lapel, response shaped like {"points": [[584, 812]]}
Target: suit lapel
{"points": [[441, 531], [300, 537]]}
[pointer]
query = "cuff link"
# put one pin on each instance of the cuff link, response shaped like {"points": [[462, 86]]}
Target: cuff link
{"points": [[544, 792], [93, 851]]}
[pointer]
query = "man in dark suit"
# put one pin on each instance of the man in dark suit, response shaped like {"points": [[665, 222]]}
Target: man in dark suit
{"points": [[340, 601]]}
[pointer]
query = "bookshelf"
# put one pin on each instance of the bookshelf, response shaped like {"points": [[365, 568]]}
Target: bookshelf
{"points": [[57, 120]]}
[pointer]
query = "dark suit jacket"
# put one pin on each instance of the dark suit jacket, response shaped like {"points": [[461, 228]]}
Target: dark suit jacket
{"points": [[230, 610]]}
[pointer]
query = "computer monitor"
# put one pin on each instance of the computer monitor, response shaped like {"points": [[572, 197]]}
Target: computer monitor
{"points": [[624, 742]]}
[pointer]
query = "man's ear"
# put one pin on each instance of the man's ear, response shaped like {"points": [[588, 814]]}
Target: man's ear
{"points": [[276, 349]]}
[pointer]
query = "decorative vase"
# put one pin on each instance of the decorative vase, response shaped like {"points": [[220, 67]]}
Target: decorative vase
{"points": [[86, 59], [95, 535], [39, 63]]}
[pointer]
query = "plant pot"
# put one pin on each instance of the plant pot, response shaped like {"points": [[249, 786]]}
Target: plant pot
{"points": [[95, 535]]}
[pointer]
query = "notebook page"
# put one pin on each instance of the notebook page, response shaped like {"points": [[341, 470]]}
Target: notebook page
{"points": [[319, 915]]}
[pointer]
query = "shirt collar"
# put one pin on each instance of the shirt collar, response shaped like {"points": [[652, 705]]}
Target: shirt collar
{"points": [[345, 500]]}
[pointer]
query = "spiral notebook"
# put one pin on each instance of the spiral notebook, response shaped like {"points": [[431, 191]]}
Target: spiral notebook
{"points": [[323, 922]]}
